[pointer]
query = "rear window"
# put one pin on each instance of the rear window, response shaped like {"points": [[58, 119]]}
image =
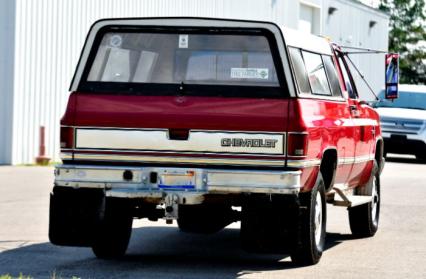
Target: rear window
{"points": [[125, 60], [315, 73]]}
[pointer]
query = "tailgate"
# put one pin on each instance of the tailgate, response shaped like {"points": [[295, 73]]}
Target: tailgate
{"points": [[178, 130]]}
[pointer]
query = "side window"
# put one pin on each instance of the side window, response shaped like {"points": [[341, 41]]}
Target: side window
{"points": [[348, 83], [332, 76], [300, 70], [316, 73]]}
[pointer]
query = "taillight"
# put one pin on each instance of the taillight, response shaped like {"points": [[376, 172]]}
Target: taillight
{"points": [[67, 137], [297, 144]]}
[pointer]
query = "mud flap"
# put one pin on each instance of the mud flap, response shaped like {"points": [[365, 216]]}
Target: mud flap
{"points": [[268, 223], [74, 215]]}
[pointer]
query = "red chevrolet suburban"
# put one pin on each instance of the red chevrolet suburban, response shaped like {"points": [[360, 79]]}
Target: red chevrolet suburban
{"points": [[187, 119]]}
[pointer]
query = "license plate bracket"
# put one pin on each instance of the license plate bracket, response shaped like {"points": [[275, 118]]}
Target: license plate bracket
{"points": [[177, 180]]}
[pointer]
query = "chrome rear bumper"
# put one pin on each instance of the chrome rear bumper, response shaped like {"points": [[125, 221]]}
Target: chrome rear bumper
{"points": [[189, 183]]}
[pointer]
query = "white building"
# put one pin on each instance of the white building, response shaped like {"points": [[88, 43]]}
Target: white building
{"points": [[40, 43]]}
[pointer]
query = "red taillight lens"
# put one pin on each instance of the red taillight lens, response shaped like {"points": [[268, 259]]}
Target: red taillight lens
{"points": [[297, 144], [67, 137]]}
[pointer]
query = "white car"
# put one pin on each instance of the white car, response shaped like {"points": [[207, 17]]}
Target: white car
{"points": [[403, 121]]}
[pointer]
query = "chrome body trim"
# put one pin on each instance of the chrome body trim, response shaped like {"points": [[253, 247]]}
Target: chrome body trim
{"points": [[66, 155], [340, 161], [165, 129], [157, 140], [196, 182], [355, 160], [211, 161], [339, 99], [177, 160], [298, 133], [303, 163]]}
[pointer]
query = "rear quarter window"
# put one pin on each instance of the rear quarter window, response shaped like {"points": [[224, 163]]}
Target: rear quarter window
{"points": [[300, 70], [316, 73], [332, 75]]}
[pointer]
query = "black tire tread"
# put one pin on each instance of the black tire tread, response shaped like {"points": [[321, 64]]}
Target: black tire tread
{"points": [[113, 232], [305, 251], [360, 219]]}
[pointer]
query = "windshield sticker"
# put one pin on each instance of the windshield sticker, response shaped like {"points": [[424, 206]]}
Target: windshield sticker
{"points": [[116, 41], [254, 73], [183, 41]]}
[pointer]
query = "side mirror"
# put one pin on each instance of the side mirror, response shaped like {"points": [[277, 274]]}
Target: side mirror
{"points": [[392, 75]]}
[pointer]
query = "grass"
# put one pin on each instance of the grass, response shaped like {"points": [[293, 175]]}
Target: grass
{"points": [[53, 275], [36, 165], [21, 276]]}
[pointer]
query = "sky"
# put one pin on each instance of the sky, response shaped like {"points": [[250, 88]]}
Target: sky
{"points": [[372, 3]]}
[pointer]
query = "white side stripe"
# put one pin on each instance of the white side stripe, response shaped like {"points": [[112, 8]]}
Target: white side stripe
{"points": [[340, 161]]}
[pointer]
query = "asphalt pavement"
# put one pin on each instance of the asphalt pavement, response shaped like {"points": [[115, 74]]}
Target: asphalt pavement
{"points": [[158, 250]]}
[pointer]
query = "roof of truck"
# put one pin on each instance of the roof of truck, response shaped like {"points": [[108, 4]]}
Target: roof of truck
{"points": [[292, 37], [306, 41]]}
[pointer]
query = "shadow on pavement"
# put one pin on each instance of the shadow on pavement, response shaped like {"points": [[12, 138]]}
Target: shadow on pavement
{"points": [[154, 252]]}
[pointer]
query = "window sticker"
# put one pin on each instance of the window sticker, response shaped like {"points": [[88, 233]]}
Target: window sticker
{"points": [[116, 41], [250, 73], [183, 41]]}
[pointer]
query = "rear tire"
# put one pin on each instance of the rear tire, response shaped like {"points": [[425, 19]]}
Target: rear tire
{"points": [[113, 231], [364, 219], [311, 229]]}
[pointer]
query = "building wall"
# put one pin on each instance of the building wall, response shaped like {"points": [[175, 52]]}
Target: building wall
{"points": [[7, 28], [50, 35], [349, 25]]}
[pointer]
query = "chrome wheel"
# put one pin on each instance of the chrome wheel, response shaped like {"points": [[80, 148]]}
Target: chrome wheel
{"points": [[374, 203], [318, 220]]}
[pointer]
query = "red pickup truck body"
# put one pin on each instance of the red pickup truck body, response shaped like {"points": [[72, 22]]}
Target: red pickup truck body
{"points": [[328, 124], [325, 143]]}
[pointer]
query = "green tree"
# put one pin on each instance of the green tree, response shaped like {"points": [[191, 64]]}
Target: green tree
{"points": [[407, 37]]}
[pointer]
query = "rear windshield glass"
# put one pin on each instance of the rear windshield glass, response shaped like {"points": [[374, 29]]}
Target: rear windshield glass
{"points": [[177, 58]]}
